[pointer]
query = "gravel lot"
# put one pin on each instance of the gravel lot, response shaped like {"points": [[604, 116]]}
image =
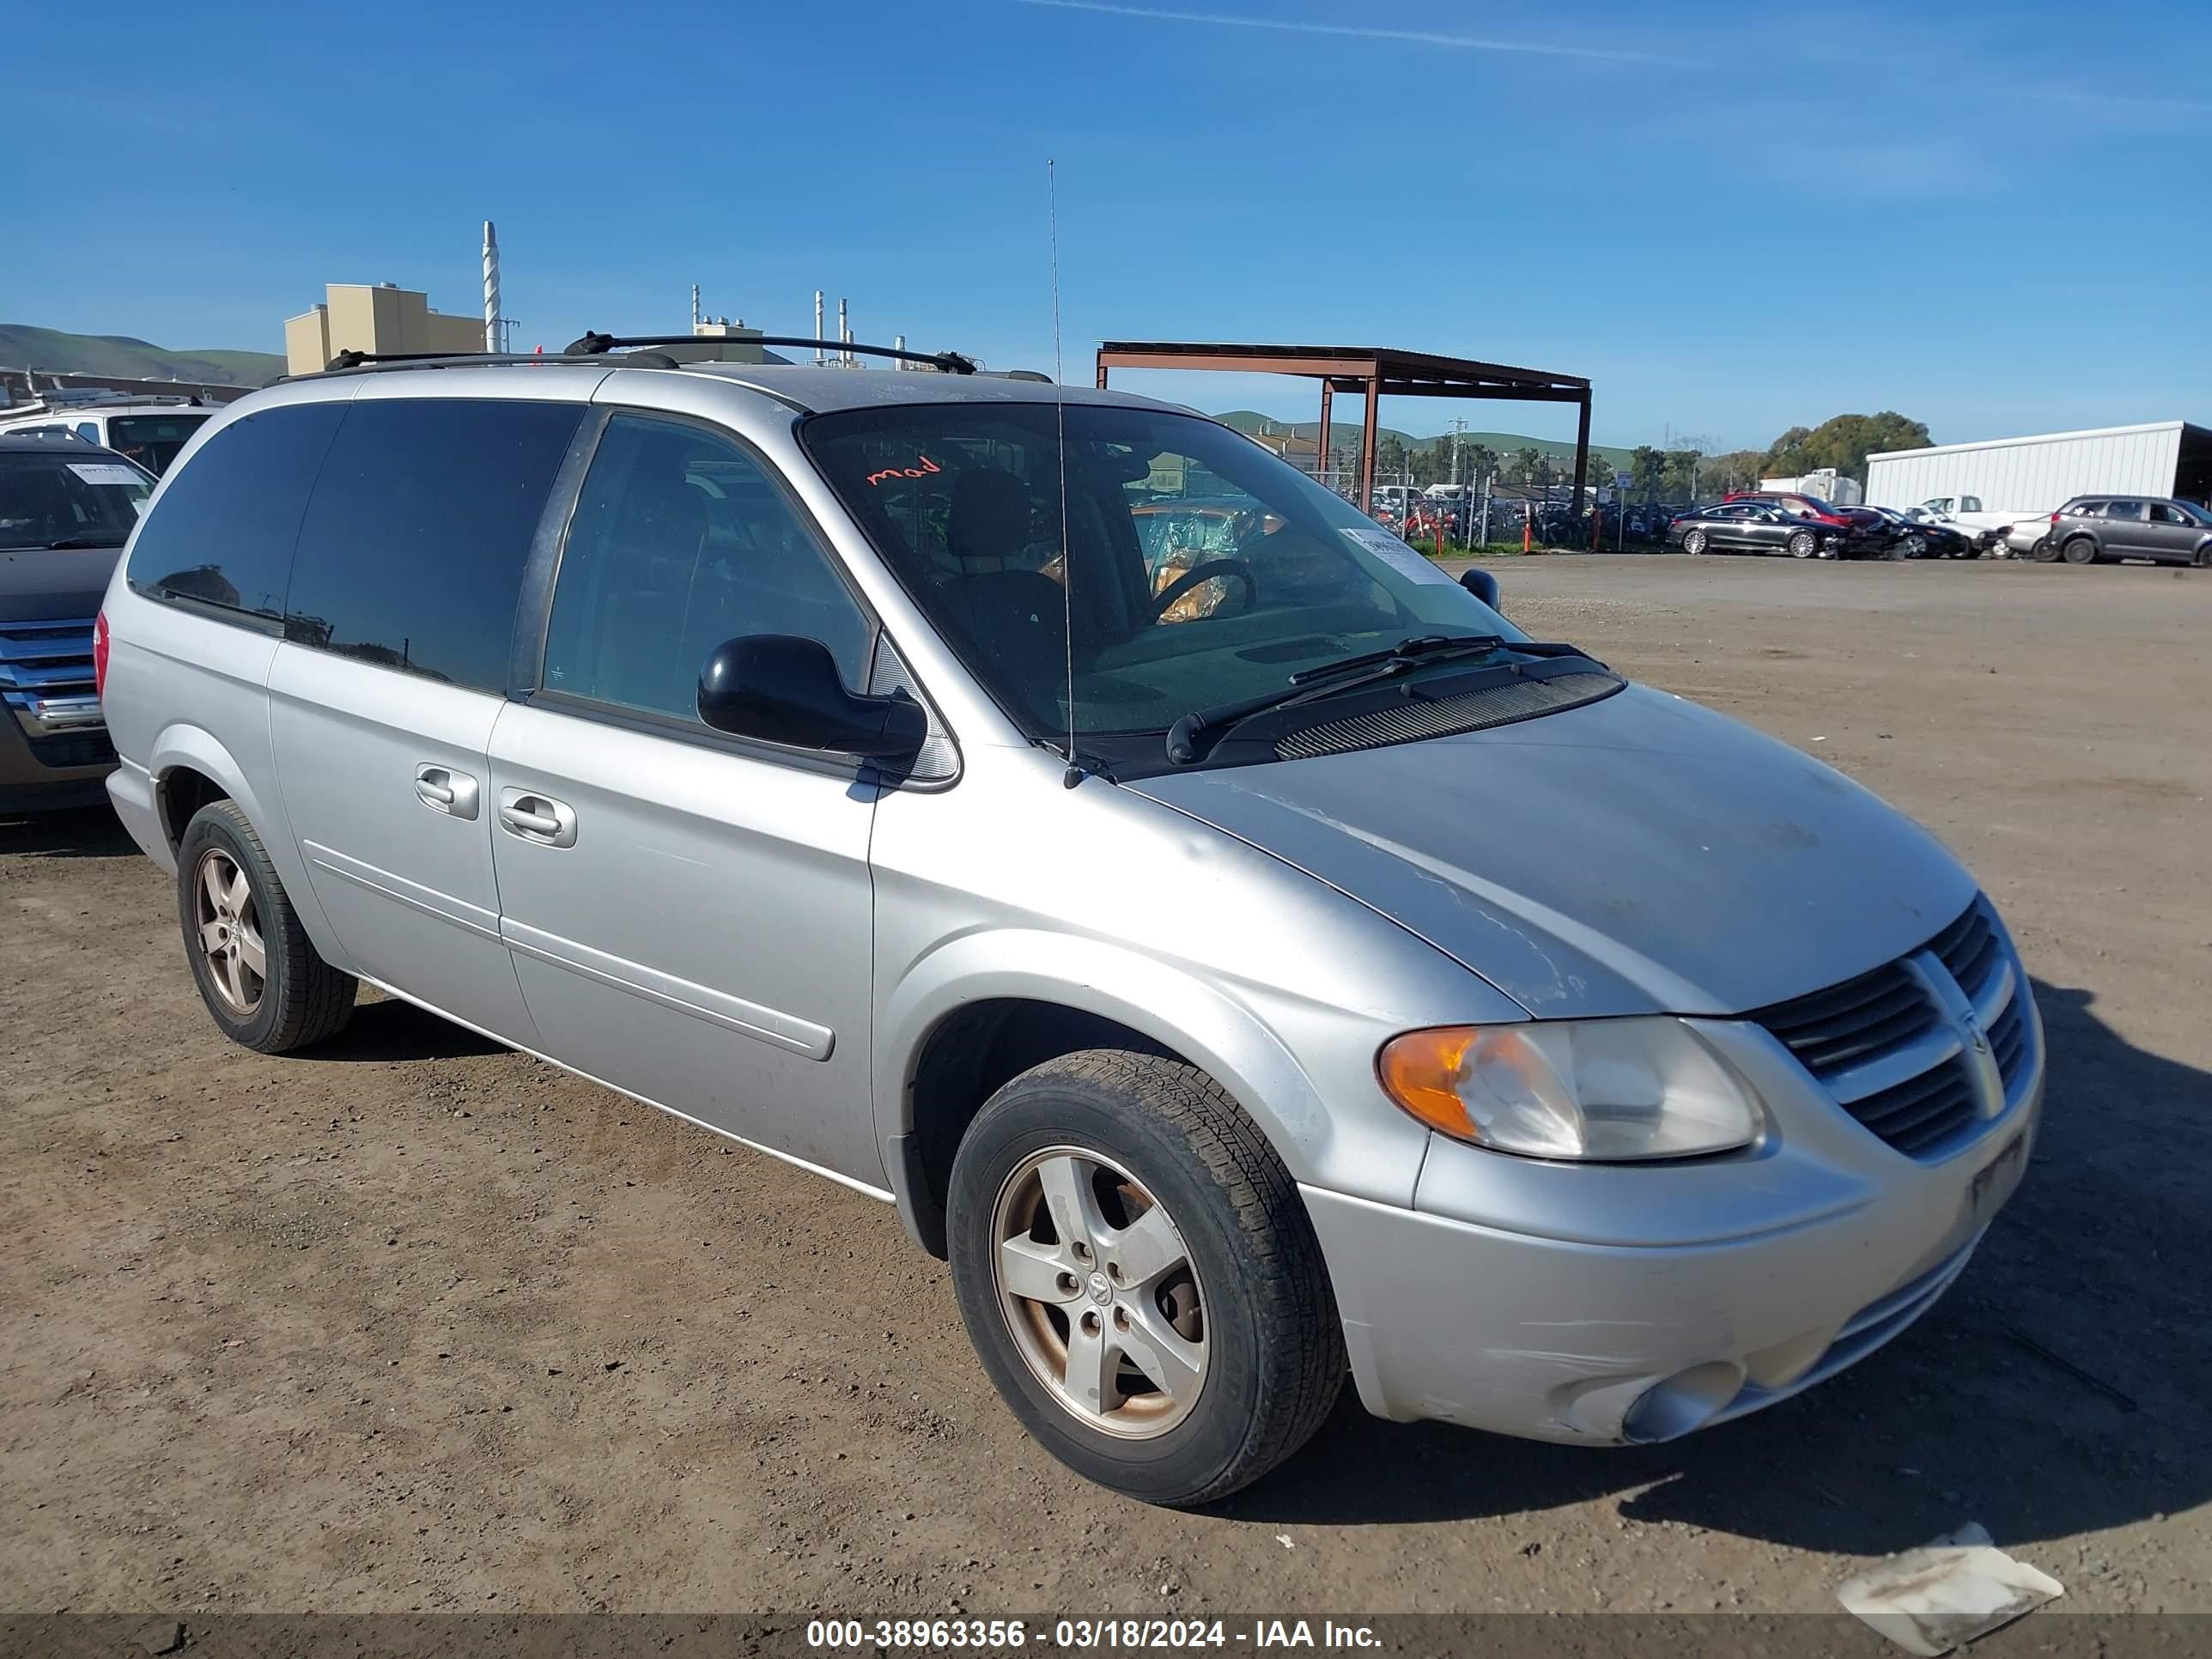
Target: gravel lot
{"points": [[418, 1323]]}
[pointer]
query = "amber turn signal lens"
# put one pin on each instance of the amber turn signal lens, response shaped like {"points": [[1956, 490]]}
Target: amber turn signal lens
{"points": [[1421, 1071]]}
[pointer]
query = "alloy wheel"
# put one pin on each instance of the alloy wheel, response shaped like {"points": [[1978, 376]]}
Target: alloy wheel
{"points": [[1099, 1291], [227, 925]]}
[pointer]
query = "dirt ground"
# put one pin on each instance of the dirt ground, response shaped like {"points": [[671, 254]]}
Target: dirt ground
{"points": [[422, 1324]]}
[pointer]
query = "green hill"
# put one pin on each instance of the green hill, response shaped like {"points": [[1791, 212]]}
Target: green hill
{"points": [[1504, 443], [23, 346]]}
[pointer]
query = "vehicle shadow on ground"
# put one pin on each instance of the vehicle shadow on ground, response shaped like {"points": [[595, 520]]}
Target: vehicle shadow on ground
{"points": [[86, 832], [1980, 1411], [391, 1030]]}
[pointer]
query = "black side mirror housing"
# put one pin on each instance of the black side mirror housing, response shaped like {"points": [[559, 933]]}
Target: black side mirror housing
{"points": [[1484, 586], [780, 689]]}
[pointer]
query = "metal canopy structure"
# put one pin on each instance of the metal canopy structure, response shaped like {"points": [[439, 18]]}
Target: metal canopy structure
{"points": [[1373, 372]]}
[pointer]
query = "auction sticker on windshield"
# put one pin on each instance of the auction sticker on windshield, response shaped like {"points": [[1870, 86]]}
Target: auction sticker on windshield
{"points": [[104, 472], [1399, 556]]}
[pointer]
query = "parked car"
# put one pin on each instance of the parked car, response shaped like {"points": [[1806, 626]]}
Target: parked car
{"points": [[147, 432], [1966, 512], [1762, 526], [1926, 540], [1875, 533], [66, 508], [2089, 528], [1230, 1002]]}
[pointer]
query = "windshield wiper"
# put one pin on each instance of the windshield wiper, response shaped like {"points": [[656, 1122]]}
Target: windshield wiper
{"points": [[1191, 739], [71, 543]]}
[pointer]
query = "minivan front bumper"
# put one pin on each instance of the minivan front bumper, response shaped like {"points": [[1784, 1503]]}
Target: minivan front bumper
{"points": [[1689, 1313]]}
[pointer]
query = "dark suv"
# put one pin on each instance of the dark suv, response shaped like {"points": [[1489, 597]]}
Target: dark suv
{"points": [[66, 508], [2158, 528]]}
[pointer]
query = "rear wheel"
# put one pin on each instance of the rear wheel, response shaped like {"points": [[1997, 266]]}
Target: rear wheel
{"points": [[1803, 545], [1694, 542], [1139, 1275], [2081, 550], [257, 971]]}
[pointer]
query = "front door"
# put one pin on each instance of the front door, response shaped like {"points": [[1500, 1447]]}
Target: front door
{"points": [[691, 914], [2170, 533]]}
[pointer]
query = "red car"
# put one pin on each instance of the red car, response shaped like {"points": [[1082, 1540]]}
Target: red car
{"points": [[1811, 509]]}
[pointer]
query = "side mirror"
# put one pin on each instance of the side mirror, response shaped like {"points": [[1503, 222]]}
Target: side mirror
{"points": [[784, 689], [1484, 586]]}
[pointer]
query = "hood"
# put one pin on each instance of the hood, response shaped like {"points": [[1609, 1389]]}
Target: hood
{"points": [[1636, 855], [40, 584]]}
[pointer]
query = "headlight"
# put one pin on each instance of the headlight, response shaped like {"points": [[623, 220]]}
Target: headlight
{"points": [[1599, 1089]]}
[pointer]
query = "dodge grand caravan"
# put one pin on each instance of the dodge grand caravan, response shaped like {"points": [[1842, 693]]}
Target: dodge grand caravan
{"points": [[1326, 978]]}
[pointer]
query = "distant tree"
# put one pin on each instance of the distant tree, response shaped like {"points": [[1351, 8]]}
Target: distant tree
{"points": [[1527, 465], [1843, 442], [1738, 468], [1478, 462], [1391, 459], [1678, 477], [1647, 468]]}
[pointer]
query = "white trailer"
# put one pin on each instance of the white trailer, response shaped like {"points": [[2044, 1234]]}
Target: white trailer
{"points": [[2021, 475], [1826, 483]]}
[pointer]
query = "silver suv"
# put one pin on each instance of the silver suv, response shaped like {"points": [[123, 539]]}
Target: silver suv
{"points": [[1319, 976]]}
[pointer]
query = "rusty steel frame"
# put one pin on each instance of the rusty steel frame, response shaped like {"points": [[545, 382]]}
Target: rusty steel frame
{"points": [[1373, 372]]}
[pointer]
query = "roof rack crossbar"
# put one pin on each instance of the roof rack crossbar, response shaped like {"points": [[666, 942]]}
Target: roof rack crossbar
{"points": [[591, 345]]}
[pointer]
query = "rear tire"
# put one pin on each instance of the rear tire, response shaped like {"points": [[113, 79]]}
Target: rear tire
{"points": [[2046, 551], [1239, 1320], [257, 971], [1803, 545], [2081, 550]]}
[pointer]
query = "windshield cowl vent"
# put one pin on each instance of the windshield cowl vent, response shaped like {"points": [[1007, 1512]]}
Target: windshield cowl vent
{"points": [[1445, 717]]}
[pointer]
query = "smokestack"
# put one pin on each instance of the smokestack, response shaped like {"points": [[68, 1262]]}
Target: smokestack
{"points": [[898, 343], [844, 336], [817, 326], [492, 341], [694, 307]]}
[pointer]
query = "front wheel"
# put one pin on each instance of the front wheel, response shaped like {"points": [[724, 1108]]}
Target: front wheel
{"points": [[1802, 543], [1136, 1270], [257, 971]]}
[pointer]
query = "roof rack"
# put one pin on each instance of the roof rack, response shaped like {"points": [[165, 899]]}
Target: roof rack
{"points": [[593, 345], [350, 358]]}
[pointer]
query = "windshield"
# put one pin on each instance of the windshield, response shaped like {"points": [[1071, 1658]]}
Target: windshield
{"points": [[152, 440], [1205, 570], [46, 499]]}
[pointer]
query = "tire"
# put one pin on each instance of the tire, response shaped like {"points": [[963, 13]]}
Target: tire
{"points": [[2046, 551], [1247, 1299], [1803, 545], [2203, 557], [233, 909], [1694, 542], [1911, 548], [2080, 551]]}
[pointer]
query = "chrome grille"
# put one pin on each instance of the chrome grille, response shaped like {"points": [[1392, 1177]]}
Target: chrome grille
{"points": [[1897, 1048], [1496, 705], [39, 659]]}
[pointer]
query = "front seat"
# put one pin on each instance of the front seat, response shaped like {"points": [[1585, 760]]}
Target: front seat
{"points": [[1016, 617]]}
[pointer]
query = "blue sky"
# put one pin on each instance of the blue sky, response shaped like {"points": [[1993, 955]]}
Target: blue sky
{"points": [[1731, 218]]}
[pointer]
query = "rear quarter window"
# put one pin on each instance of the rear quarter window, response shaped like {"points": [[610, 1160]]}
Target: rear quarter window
{"points": [[221, 533], [411, 553]]}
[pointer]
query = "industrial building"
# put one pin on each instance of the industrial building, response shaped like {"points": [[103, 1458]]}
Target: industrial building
{"points": [[2166, 458], [385, 318]]}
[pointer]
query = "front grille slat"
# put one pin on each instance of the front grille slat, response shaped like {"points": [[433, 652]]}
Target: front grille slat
{"points": [[1876, 1017], [40, 659]]}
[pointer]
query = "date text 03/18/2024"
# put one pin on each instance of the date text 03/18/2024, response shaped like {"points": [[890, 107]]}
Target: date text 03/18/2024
{"points": [[1004, 1634]]}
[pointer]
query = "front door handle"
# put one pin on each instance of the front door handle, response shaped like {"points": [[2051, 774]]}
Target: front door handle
{"points": [[444, 790], [530, 817]]}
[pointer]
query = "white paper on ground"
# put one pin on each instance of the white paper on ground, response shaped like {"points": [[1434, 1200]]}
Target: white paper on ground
{"points": [[1399, 556], [1947, 1593]]}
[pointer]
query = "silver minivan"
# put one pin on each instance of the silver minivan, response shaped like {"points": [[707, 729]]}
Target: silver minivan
{"points": [[1322, 977]]}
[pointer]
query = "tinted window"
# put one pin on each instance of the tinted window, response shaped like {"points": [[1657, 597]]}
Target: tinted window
{"points": [[411, 553], [223, 529], [152, 440], [2162, 513], [1970, 503], [46, 499], [2132, 510], [679, 542]]}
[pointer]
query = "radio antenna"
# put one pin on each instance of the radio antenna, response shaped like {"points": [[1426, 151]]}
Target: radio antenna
{"points": [[1074, 773]]}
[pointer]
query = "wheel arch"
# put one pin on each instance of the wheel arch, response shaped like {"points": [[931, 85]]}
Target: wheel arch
{"points": [[986, 1008]]}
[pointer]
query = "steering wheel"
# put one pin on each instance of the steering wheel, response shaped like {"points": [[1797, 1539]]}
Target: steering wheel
{"points": [[1191, 578]]}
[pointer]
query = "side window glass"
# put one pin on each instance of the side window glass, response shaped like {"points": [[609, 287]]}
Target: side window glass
{"points": [[681, 541], [411, 554], [1970, 503], [224, 530], [88, 431]]}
